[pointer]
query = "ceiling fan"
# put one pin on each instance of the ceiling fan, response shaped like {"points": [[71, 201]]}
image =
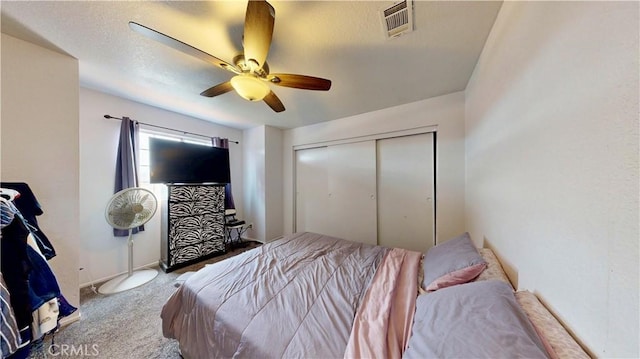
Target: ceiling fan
{"points": [[250, 68]]}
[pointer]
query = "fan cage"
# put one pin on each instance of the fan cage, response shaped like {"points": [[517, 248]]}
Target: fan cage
{"points": [[130, 208]]}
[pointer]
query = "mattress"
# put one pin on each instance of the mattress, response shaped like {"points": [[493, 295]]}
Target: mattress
{"points": [[312, 296], [294, 297]]}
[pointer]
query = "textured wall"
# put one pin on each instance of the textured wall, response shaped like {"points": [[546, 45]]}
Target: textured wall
{"points": [[445, 113], [255, 208], [263, 182], [552, 161], [273, 182], [40, 144], [101, 254]]}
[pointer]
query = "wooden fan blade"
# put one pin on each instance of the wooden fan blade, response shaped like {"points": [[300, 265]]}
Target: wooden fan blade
{"points": [[180, 46], [300, 82], [258, 30], [217, 89], [274, 102]]}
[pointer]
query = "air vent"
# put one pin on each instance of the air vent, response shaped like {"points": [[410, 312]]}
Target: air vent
{"points": [[398, 18]]}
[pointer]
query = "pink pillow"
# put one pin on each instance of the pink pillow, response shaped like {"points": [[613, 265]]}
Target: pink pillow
{"points": [[455, 261], [460, 276]]}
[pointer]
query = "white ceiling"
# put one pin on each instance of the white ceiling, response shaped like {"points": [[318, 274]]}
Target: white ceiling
{"points": [[341, 41]]}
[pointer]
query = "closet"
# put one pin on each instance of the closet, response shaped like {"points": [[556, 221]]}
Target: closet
{"points": [[375, 191], [336, 188]]}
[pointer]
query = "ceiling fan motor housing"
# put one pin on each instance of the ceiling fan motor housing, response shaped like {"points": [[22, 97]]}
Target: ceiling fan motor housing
{"points": [[250, 69]]}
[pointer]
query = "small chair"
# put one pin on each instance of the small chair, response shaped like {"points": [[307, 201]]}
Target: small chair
{"points": [[233, 228]]}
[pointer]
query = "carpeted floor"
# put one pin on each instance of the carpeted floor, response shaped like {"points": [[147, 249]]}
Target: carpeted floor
{"points": [[123, 325]]}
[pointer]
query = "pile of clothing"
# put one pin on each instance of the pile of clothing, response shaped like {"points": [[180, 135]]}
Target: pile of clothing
{"points": [[31, 302]]}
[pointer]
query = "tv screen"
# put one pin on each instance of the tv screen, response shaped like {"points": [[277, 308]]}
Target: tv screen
{"points": [[179, 162]]}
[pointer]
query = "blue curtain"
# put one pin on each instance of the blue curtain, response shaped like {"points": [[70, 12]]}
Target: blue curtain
{"points": [[127, 164], [228, 195]]}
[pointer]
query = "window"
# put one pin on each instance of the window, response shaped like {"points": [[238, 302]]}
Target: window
{"points": [[144, 155]]}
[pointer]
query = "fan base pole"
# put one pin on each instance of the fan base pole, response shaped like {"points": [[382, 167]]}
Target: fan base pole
{"points": [[128, 281]]}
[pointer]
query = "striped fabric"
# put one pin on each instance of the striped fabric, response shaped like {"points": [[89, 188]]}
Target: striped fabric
{"points": [[10, 340], [7, 213]]}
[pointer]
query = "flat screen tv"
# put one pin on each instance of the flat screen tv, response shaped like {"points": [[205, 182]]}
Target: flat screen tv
{"points": [[180, 162]]}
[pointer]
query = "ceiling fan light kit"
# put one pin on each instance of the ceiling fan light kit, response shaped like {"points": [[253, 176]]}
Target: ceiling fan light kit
{"points": [[251, 70], [250, 87]]}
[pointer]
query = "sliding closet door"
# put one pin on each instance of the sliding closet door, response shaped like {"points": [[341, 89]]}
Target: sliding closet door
{"points": [[336, 191], [312, 187], [352, 191], [405, 176]]}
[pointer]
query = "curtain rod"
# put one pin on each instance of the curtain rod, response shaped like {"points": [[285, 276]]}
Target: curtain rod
{"points": [[167, 128]]}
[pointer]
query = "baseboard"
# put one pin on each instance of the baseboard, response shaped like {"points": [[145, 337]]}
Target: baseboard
{"points": [[104, 279], [76, 316], [252, 239]]}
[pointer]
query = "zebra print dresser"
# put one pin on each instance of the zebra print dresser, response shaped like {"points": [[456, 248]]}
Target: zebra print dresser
{"points": [[192, 225]]}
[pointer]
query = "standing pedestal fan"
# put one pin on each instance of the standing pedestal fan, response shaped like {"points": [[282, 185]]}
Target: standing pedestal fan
{"points": [[127, 209]]}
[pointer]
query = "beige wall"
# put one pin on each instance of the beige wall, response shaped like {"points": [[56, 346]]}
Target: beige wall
{"points": [[40, 144], [445, 113], [273, 182], [253, 148], [101, 254], [552, 161], [263, 182]]}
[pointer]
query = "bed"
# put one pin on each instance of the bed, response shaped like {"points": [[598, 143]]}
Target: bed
{"points": [[308, 295]]}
